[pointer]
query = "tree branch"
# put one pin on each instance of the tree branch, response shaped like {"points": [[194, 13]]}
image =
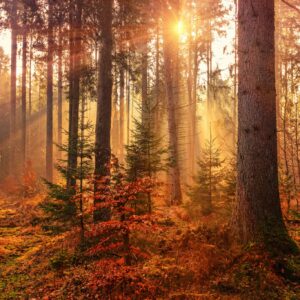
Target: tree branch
{"points": [[296, 8]]}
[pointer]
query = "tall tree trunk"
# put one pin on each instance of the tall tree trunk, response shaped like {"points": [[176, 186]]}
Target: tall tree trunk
{"points": [[49, 130], [235, 85], [115, 126], [30, 92], [24, 89], [122, 82], [59, 90], [158, 110], [258, 216], [128, 100], [144, 69], [75, 69], [209, 70], [122, 112], [103, 121], [171, 81], [285, 140], [70, 180], [13, 89], [192, 97]]}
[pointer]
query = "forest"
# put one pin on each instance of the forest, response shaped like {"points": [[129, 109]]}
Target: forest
{"points": [[150, 149]]}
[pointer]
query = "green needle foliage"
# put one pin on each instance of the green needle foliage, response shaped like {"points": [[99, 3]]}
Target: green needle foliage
{"points": [[145, 154], [64, 204], [208, 180]]}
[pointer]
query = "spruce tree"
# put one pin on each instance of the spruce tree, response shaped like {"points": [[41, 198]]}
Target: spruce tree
{"points": [[208, 180], [144, 156], [64, 206]]}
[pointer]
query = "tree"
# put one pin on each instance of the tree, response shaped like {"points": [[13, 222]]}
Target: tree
{"points": [[258, 216], [49, 130], [144, 158], [13, 82], [103, 121], [75, 44], [208, 178], [171, 82], [24, 88]]}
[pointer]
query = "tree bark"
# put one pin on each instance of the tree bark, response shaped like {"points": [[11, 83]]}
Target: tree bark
{"points": [[59, 90], [122, 112], [75, 69], [104, 106], [49, 129], [144, 69], [13, 88], [24, 73], [258, 216], [171, 81]]}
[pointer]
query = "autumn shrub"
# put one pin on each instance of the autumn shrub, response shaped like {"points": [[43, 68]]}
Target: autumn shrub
{"points": [[114, 280], [114, 235], [120, 256], [31, 185]]}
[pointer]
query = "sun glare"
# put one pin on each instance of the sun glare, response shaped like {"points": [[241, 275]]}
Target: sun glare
{"points": [[181, 31], [180, 28]]}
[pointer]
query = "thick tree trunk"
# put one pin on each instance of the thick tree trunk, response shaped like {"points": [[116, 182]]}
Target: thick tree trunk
{"points": [[171, 81], [104, 105], [258, 216], [49, 127], [13, 89]]}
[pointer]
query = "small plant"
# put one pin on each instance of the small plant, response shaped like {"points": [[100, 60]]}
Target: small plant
{"points": [[113, 236], [208, 178], [64, 206]]}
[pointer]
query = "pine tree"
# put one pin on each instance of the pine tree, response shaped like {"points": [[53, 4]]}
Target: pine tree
{"points": [[208, 179], [65, 204], [145, 153]]}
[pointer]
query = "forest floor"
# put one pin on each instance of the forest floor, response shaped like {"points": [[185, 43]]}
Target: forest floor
{"points": [[189, 260]]}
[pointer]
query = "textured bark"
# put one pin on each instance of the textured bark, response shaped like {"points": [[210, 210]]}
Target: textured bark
{"points": [[13, 93], [49, 127], [171, 82], [258, 215], [104, 106]]}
